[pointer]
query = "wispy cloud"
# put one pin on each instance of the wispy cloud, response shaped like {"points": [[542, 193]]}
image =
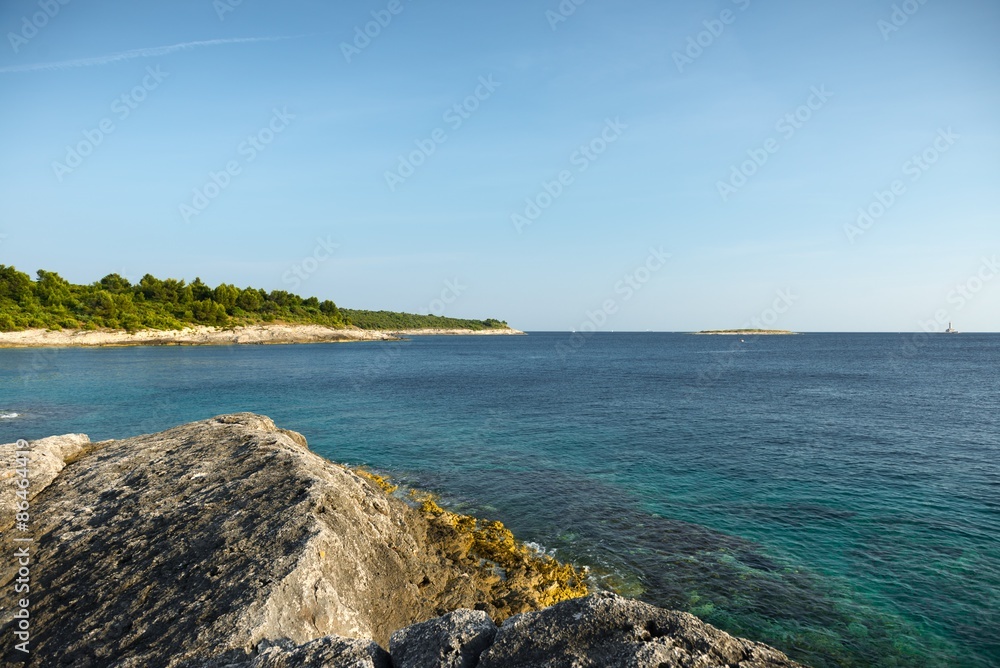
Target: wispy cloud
{"points": [[136, 53]]}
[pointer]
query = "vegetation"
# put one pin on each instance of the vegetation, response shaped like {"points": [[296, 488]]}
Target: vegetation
{"points": [[551, 580], [52, 302], [519, 577], [382, 482], [392, 320]]}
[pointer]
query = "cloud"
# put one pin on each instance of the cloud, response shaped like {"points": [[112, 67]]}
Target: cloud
{"points": [[135, 53]]}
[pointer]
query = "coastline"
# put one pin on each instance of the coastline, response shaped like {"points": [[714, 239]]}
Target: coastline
{"points": [[208, 336], [228, 541]]}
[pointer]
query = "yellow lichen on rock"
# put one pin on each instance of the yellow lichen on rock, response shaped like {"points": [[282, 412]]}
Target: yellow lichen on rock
{"points": [[382, 481], [538, 579]]}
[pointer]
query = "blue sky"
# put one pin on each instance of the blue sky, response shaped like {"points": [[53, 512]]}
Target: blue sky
{"points": [[643, 109]]}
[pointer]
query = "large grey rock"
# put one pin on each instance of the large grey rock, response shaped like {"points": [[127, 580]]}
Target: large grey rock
{"points": [[209, 538], [453, 641], [328, 652], [608, 631]]}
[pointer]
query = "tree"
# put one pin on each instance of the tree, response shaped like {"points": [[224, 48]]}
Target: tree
{"points": [[173, 291], [200, 291], [250, 300], [52, 289], [15, 285], [102, 306], [151, 288], [284, 299], [227, 296], [115, 284]]}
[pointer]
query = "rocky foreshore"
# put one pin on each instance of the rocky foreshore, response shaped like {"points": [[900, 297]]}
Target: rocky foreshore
{"points": [[228, 543], [205, 336]]}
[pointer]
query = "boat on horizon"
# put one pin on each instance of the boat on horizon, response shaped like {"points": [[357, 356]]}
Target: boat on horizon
{"points": [[951, 329]]}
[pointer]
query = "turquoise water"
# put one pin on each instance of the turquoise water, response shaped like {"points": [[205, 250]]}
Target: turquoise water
{"points": [[837, 496]]}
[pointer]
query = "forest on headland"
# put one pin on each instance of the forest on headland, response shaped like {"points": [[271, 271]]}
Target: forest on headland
{"points": [[52, 302]]}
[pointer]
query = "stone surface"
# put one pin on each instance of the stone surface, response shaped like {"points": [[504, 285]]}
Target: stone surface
{"points": [[454, 640], [48, 458], [608, 631], [328, 652]]}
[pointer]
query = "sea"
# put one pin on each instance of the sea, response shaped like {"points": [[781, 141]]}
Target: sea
{"points": [[834, 495]]}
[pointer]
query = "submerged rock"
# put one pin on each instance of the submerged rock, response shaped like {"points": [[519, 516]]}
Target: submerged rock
{"points": [[226, 543], [607, 630]]}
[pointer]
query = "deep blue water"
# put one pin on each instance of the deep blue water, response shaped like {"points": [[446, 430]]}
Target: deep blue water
{"points": [[837, 496]]}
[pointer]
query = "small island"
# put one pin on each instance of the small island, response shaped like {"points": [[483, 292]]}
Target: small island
{"points": [[747, 332]]}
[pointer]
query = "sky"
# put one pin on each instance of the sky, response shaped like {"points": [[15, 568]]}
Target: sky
{"points": [[635, 165]]}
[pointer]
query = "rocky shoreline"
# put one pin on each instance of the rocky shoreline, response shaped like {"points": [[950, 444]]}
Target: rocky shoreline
{"points": [[206, 336], [227, 543]]}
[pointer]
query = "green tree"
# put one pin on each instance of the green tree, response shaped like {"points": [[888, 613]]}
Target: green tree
{"points": [[52, 289], [15, 285], [151, 288], [102, 306], [250, 300], [200, 291], [226, 295], [115, 284]]}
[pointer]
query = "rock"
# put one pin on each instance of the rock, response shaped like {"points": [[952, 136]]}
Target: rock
{"points": [[328, 652], [48, 457], [209, 538], [608, 631], [453, 641]]}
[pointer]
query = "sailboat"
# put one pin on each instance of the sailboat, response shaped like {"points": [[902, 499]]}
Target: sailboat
{"points": [[950, 330]]}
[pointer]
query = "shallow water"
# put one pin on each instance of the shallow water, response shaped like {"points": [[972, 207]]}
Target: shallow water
{"points": [[837, 496]]}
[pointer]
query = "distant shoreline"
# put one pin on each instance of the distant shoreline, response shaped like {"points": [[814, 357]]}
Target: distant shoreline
{"points": [[209, 336], [746, 332]]}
